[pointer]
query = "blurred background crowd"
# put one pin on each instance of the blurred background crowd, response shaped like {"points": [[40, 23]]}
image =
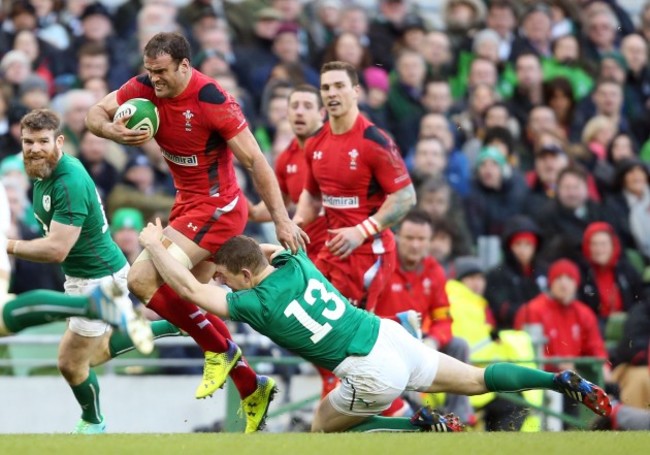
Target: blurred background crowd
{"points": [[521, 122]]}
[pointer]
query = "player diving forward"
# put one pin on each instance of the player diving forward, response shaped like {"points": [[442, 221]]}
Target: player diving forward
{"points": [[291, 302]]}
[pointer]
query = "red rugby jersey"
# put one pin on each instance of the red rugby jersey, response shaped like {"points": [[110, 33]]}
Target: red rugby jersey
{"points": [[194, 128], [353, 172], [290, 170], [422, 290]]}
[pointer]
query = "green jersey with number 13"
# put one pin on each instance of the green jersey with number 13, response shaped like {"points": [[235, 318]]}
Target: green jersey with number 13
{"points": [[69, 197], [301, 311]]}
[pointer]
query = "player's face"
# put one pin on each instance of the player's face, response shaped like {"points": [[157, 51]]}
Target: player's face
{"points": [[41, 152], [169, 78], [413, 242], [235, 281], [304, 114], [338, 93]]}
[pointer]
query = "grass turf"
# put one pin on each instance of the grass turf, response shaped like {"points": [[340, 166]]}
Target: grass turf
{"points": [[572, 443]]}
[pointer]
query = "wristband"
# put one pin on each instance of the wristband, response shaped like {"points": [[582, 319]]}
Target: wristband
{"points": [[368, 227]]}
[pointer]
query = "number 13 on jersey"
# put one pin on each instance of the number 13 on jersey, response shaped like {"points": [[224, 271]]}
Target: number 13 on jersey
{"points": [[318, 330]]}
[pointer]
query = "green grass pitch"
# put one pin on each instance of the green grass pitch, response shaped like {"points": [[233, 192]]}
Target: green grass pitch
{"points": [[571, 443]]}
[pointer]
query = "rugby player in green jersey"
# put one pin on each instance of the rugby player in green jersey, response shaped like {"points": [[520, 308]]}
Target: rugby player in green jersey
{"points": [[284, 297], [76, 235]]}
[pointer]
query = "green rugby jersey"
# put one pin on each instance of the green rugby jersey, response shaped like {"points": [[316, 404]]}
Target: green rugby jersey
{"points": [[300, 310], [69, 196]]}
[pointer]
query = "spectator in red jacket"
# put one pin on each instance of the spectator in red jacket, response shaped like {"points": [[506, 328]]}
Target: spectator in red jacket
{"points": [[570, 326], [418, 283]]}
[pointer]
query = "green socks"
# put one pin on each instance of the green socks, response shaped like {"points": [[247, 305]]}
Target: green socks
{"points": [[508, 377], [384, 424], [120, 343], [87, 395], [41, 307]]}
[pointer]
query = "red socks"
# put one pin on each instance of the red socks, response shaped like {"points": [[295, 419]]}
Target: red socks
{"points": [[187, 316]]}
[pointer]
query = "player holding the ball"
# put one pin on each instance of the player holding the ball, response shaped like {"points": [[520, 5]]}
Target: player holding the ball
{"points": [[201, 127]]}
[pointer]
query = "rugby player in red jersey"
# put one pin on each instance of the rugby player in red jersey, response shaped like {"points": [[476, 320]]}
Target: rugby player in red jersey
{"points": [[305, 115], [356, 173], [201, 127]]}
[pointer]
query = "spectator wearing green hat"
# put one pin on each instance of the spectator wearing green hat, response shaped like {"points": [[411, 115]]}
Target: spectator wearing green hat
{"points": [[493, 198], [126, 225]]}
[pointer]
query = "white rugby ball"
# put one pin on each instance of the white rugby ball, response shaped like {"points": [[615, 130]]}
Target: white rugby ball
{"points": [[143, 115]]}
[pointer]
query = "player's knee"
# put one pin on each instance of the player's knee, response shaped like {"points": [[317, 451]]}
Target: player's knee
{"points": [[72, 371], [142, 283]]}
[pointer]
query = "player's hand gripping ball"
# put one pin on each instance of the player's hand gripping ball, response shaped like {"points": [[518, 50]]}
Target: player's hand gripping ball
{"points": [[143, 115]]}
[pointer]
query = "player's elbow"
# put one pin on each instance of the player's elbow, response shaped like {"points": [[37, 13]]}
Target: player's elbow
{"points": [[59, 255]]}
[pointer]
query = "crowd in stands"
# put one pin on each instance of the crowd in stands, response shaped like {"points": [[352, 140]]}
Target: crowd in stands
{"points": [[525, 125]]}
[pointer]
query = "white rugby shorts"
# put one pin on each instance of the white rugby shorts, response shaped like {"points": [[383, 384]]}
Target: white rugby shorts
{"points": [[80, 286], [396, 363]]}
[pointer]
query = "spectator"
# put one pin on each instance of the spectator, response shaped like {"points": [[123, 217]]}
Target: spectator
{"points": [[536, 27], [92, 154], [430, 160], [377, 86], [493, 197], [564, 220], [405, 92], [569, 326], [502, 18], [542, 180], [462, 19], [558, 95], [610, 284], [437, 96], [630, 206], [73, 106], [473, 322], [138, 190], [418, 283], [386, 30], [126, 224], [436, 197], [354, 19], [437, 52], [520, 276], [529, 91], [630, 358], [347, 47], [600, 31], [637, 85]]}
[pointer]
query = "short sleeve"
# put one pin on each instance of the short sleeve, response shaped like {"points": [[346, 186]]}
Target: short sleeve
{"points": [[222, 111], [134, 88], [70, 207], [387, 164]]}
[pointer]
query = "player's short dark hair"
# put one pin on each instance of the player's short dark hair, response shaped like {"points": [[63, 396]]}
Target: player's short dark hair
{"points": [[171, 43], [41, 119], [241, 252], [417, 216], [307, 88], [341, 66]]}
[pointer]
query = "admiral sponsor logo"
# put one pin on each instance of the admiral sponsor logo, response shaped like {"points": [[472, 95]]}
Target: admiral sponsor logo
{"points": [[180, 160], [292, 168], [341, 202]]}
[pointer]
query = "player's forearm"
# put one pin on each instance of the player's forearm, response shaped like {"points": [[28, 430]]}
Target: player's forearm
{"points": [[173, 272], [308, 209], [268, 189], [395, 207], [37, 250], [97, 120]]}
